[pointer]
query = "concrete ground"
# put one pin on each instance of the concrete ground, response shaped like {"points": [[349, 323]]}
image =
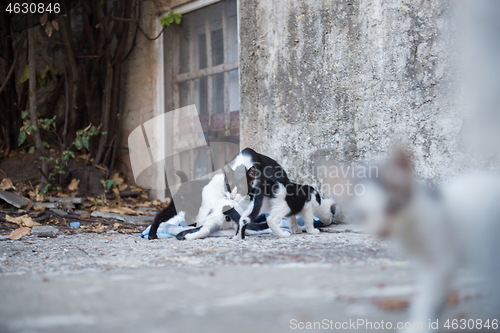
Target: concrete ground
{"points": [[121, 283]]}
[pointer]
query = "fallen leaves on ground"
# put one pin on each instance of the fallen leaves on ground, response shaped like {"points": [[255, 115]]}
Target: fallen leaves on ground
{"points": [[118, 210], [85, 215], [118, 177], [144, 204], [116, 192], [393, 304], [126, 231], [97, 227], [20, 232], [22, 188], [116, 225], [400, 304], [73, 186], [61, 194], [35, 196], [22, 221], [6, 185], [40, 208]]}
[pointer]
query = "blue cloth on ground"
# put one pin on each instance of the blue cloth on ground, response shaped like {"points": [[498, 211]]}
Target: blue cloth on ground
{"points": [[177, 224]]}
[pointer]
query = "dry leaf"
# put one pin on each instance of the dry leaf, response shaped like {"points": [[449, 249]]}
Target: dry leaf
{"points": [[20, 232], [48, 29], [118, 177], [73, 186], [85, 216], [116, 225], [122, 187], [34, 195], [22, 187], [22, 221], [53, 221], [117, 193], [55, 25], [82, 158], [43, 19], [97, 227], [393, 304], [6, 184], [119, 210], [62, 195], [144, 204], [40, 208], [126, 231]]}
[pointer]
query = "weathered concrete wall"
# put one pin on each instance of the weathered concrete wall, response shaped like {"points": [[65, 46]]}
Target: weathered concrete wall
{"points": [[344, 80]]}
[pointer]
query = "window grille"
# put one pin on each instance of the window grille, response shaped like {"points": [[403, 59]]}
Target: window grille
{"points": [[201, 58]]}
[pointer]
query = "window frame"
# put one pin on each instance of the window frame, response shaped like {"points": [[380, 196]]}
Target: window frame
{"points": [[171, 78]]}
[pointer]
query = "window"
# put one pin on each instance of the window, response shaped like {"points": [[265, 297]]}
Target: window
{"points": [[201, 68]]}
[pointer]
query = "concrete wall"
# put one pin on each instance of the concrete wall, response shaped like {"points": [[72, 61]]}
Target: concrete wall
{"points": [[344, 80]]}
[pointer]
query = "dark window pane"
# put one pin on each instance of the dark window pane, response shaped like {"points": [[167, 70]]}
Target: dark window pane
{"points": [[218, 93], [217, 47]]}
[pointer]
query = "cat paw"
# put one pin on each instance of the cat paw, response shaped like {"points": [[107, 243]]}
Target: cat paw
{"points": [[284, 234], [314, 232], [189, 237]]}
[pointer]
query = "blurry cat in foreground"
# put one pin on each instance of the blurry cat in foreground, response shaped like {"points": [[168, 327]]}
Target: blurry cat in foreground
{"points": [[444, 228]]}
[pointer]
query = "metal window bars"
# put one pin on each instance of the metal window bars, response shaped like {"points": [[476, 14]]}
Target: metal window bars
{"points": [[204, 71]]}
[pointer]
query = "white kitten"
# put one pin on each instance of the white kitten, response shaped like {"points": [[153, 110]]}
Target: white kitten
{"points": [[215, 201], [444, 228]]}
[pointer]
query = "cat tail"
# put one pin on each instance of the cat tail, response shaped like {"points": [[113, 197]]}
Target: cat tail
{"points": [[165, 215], [182, 176]]}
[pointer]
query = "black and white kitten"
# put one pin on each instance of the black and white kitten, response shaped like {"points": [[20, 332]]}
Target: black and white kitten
{"points": [[271, 190], [188, 196], [252, 184]]}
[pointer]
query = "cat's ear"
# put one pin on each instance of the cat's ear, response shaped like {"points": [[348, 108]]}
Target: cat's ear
{"points": [[401, 161], [253, 177], [227, 170]]}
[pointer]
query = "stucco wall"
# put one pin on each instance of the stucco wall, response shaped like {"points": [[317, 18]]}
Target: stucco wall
{"points": [[344, 80]]}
